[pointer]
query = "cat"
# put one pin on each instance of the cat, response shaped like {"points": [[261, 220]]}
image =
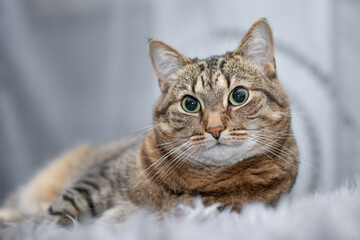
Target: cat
{"points": [[221, 133]]}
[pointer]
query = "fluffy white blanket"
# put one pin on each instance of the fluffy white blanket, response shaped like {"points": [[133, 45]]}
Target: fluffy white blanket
{"points": [[334, 215]]}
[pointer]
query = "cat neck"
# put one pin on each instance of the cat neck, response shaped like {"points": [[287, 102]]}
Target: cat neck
{"points": [[192, 179]]}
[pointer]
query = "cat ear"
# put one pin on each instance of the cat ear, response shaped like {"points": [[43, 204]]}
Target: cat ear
{"points": [[258, 47], [166, 62]]}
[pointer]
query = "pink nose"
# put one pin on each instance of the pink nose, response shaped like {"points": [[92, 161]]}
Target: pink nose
{"points": [[215, 131]]}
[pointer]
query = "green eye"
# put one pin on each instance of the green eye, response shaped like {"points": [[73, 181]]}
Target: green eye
{"points": [[190, 104], [238, 96]]}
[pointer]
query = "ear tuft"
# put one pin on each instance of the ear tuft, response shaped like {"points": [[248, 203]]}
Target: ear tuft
{"points": [[166, 62], [258, 46]]}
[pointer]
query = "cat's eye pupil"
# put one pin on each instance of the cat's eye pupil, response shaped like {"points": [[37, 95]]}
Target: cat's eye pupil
{"points": [[238, 96], [190, 103]]}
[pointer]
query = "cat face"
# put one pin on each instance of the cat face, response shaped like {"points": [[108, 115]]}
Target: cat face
{"points": [[223, 109]]}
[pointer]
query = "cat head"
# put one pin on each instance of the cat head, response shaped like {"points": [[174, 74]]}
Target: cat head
{"points": [[223, 109]]}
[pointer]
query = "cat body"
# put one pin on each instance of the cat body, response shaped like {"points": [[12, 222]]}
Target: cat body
{"points": [[221, 133]]}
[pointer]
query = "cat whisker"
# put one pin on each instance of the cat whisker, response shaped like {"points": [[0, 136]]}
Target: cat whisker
{"points": [[144, 131], [168, 147], [283, 134], [267, 139], [286, 151], [171, 142], [167, 166], [275, 137], [290, 114], [158, 162], [277, 149], [269, 150], [264, 150], [180, 163], [282, 149], [201, 144], [270, 131], [147, 127], [176, 153], [174, 158]]}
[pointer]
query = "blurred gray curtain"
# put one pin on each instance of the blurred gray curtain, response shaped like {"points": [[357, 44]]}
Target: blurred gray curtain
{"points": [[70, 72]]}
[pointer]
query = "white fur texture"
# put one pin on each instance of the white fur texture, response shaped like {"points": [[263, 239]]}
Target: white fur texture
{"points": [[327, 216]]}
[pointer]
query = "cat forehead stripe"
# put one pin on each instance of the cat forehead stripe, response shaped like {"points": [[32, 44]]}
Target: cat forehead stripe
{"points": [[210, 74]]}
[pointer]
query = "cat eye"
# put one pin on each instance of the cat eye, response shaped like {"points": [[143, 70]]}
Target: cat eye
{"points": [[238, 96], [190, 104]]}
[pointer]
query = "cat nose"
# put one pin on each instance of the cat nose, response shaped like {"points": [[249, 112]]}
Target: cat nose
{"points": [[215, 131]]}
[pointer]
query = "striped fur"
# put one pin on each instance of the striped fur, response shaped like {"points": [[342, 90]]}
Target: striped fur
{"points": [[252, 157]]}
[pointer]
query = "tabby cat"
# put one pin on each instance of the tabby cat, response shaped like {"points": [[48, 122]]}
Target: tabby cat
{"points": [[221, 133]]}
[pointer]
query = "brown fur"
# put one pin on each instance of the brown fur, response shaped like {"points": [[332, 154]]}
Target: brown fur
{"points": [[255, 179], [224, 153]]}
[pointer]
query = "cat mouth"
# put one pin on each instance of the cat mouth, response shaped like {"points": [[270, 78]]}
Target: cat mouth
{"points": [[218, 145]]}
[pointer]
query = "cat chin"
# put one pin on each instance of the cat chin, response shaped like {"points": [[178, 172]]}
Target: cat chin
{"points": [[224, 155]]}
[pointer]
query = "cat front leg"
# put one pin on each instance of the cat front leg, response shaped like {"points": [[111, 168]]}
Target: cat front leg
{"points": [[88, 197]]}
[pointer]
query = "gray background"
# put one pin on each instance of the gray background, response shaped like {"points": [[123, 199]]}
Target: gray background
{"points": [[75, 71]]}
